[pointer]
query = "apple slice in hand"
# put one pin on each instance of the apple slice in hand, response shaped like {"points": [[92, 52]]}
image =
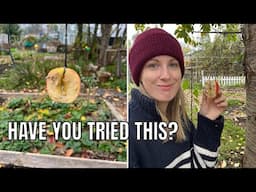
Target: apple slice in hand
{"points": [[63, 87], [212, 88]]}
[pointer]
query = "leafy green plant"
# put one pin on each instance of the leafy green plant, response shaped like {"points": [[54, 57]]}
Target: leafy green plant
{"points": [[75, 145], [115, 83], [30, 75], [44, 109], [234, 102]]}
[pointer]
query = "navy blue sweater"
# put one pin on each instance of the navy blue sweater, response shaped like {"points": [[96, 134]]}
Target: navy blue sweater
{"points": [[200, 149]]}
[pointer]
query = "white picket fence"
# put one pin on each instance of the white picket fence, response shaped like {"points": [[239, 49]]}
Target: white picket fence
{"points": [[225, 80]]}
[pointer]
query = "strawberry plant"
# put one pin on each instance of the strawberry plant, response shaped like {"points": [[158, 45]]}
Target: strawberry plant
{"points": [[46, 110]]}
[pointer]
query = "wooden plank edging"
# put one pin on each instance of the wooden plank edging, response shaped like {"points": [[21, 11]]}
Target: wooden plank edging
{"points": [[33, 160], [114, 112]]}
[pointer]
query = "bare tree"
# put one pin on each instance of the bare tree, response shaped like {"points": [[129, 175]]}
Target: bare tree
{"points": [[78, 42], [106, 32]]}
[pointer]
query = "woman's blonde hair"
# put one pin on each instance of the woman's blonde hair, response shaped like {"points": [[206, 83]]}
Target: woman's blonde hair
{"points": [[176, 111]]}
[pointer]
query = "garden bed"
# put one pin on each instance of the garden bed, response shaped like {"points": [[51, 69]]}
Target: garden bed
{"points": [[59, 153]]}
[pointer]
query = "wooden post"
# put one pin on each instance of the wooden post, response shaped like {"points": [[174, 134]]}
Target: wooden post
{"points": [[33, 160], [118, 68]]}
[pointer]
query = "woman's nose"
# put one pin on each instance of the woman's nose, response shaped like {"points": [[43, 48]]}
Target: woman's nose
{"points": [[165, 73]]}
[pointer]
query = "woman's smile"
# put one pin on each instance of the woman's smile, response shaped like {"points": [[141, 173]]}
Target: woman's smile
{"points": [[165, 87]]}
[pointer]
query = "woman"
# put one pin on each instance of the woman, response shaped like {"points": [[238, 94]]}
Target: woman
{"points": [[157, 66]]}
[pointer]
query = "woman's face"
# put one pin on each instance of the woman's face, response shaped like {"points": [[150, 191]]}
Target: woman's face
{"points": [[161, 77]]}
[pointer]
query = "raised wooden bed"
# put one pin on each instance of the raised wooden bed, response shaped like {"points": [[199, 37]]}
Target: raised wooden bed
{"points": [[32, 160]]}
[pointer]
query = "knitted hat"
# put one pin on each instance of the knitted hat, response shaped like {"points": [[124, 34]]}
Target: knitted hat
{"points": [[151, 43]]}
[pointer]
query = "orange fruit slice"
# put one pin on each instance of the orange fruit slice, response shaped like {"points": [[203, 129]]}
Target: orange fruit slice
{"points": [[63, 87]]}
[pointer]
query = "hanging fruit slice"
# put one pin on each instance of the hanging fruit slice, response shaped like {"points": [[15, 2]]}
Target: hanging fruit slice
{"points": [[211, 88], [63, 86]]}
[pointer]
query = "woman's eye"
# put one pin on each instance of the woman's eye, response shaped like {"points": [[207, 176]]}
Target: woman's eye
{"points": [[152, 65], [173, 65]]}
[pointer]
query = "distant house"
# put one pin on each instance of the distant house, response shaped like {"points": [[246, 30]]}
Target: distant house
{"points": [[4, 45], [52, 46], [54, 35]]}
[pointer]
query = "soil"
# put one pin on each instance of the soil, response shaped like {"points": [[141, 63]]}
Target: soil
{"points": [[236, 113]]}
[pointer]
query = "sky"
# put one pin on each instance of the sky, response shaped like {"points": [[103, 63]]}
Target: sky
{"points": [[131, 32], [131, 29]]}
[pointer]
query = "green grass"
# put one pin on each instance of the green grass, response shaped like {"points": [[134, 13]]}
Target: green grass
{"points": [[234, 102], [232, 144]]}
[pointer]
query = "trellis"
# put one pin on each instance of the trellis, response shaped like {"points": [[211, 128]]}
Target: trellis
{"points": [[193, 73]]}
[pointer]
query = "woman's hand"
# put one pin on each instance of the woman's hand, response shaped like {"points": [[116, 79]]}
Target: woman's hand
{"points": [[213, 107]]}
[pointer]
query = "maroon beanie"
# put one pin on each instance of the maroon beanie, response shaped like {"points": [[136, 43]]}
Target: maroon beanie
{"points": [[151, 43]]}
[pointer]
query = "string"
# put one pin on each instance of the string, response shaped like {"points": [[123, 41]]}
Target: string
{"points": [[66, 48]]}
